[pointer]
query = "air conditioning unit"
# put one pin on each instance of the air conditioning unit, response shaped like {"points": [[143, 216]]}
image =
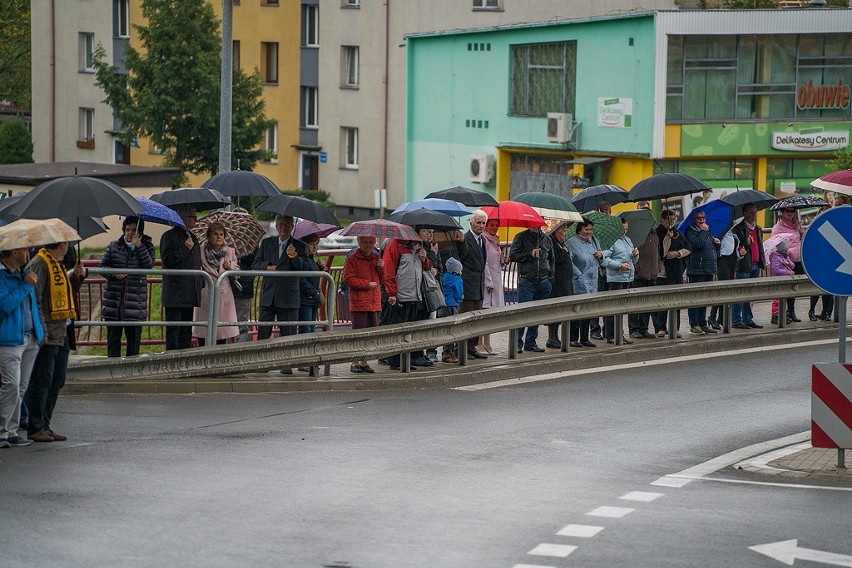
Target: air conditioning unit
{"points": [[559, 127], [481, 168]]}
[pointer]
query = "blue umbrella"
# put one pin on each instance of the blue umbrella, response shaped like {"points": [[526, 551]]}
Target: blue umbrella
{"points": [[154, 212], [720, 217], [445, 206]]}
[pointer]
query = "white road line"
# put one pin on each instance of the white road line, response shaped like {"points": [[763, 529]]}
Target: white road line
{"points": [[580, 531], [531, 566], [762, 461], [641, 496], [623, 366], [671, 482], [610, 512], [552, 550], [772, 484]]}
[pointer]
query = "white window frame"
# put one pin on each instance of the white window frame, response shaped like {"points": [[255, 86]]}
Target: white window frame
{"points": [[86, 124], [87, 52], [496, 5], [122, 16], [351, 3], [310, 102], [351, 66], [349, 147], [312, 29], [271, 142]]}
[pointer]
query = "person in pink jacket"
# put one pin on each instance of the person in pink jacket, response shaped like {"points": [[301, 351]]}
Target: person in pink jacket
{"points": [[216, 258], [780, 264], [789, 226]]}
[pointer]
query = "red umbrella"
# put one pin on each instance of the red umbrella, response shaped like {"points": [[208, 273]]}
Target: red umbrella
{"points": [[514, 214], [381, 229], [838, 182]]}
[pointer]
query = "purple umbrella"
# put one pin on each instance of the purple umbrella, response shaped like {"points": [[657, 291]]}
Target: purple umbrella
{"points": [[154, 212], [305, 228]]}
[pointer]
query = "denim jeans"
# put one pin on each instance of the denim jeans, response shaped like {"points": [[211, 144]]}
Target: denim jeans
{"points": [[48, 378], [527, 292], [698, 316], [741, 313], [308, 313], [16, 364]]}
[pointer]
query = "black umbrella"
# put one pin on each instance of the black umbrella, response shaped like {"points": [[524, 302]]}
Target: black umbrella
{"points": [[588, 199], [86, 226], [663, 186], [202, 199], [240, 183], [741, 197], [425, 217], [465, 196], [72, 197], [297, 206], [799, 202]]}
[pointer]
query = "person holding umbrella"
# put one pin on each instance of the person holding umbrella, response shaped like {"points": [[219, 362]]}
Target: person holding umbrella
{"points": [[789, 226], [701, 267], [495, 260], [179, 250], [126, 297], [55, 290], [364, 274], [674, 251], [533, 253], [586, 258], [309, 288], [216, 258], [472, 253], [563, 271], [619, 261], [752, 260]]}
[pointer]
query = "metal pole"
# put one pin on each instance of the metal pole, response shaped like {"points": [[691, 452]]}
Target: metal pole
{"points": [[227, 90], [840, 302]]}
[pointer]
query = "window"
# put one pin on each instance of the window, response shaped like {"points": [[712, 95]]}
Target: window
{"points": [[269, 2], [269, 62], [121, 153], [351, 3], [310, 104], [86, 130], [87, 52], [544, 78], [350, 66], [349, 147], [271, 144], [310, 26], [121, 13], [487, 4], [235, 55]]}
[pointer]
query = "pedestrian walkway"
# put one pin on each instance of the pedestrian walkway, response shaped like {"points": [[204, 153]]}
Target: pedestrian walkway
{"points": [[816, 463]]}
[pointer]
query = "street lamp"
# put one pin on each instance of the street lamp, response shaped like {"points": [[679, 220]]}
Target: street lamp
{"points": [[226, 88]]}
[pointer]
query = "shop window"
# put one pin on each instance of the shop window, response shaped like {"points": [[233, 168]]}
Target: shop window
{"points": [[710, 75], [543, 78]]}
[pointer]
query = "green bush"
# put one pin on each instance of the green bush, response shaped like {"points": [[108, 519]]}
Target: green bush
{"points": [[16, 144]]}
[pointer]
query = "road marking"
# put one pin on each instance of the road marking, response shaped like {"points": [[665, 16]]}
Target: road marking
{"points": [[762, 461], [624, 366], [788, 551], [671, 482], [531, 566], [641, 496], [775, 484], [552, 550], [580, 531], [610, 512], [840, 244]]}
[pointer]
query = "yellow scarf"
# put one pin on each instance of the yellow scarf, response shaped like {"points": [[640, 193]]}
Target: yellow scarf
{"points": [[60, 296]]}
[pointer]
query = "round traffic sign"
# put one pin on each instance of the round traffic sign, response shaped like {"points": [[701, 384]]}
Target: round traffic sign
{"points": [[827, 251]]}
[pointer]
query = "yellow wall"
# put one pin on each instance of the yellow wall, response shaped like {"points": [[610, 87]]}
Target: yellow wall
{"points": [[255, 23]]}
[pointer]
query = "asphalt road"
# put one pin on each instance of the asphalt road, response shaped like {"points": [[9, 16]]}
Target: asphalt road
{"points": [[423, 478]]}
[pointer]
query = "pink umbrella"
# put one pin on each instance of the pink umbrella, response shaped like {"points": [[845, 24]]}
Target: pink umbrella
{"points": [[838, 182], [305, 228], [381, 229]]}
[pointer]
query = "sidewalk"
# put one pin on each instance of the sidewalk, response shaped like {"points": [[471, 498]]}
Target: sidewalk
{"points": [[801, 462]]}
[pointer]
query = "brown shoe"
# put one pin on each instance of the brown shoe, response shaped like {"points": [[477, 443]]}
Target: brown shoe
{"points": [[57, 437], [449, 358], [41, 437]]}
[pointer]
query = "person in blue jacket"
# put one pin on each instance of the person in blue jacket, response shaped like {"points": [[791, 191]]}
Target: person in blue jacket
{"points": [[21, 334], [701, 266]]}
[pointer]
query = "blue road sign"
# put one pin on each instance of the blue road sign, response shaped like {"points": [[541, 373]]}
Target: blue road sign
{"points": [[323, 157], [827, 251]]}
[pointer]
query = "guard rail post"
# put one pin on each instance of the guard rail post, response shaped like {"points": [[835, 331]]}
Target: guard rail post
{"points": [[565, 328], [671, 322], [213, 314], [782, 312], [618, 320], [461, 349], [727, 318], [513, 343]]}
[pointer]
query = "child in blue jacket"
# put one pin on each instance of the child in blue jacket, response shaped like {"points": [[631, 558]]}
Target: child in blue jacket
{"points": [[453, 289]]}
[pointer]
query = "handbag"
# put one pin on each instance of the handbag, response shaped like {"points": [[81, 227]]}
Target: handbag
{"points": [[432, 292]]}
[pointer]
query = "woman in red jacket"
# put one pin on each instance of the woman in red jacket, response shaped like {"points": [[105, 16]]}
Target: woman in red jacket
{"points": [[364, 274]]}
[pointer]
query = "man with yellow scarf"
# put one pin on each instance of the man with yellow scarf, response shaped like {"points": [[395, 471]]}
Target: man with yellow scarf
{"points": [[56, 289]]}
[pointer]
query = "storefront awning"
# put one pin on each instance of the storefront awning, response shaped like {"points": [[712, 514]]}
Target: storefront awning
{"points": [[589, 160]]}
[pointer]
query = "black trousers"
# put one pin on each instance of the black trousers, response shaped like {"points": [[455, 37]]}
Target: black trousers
{"points": [[178, 337], [609, 321], [134, 338], [580, 330], [640, 322], [271, 313]]}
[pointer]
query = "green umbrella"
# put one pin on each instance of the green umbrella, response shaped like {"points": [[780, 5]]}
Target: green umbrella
{"points": [[641, 224], [550, 205], [606, 228]]}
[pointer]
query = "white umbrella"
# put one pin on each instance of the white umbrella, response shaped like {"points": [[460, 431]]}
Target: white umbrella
{"points": [[28, 233]]}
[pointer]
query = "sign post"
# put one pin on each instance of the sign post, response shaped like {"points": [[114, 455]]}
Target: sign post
{"points": [[827, 257]]}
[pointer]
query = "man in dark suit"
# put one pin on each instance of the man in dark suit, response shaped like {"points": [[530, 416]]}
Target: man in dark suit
{"points": [[752, 260], [179, 250], [471, 247], [279, 297]]}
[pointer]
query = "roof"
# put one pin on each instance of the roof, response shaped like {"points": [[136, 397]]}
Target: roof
{"points": [[119, 174]]}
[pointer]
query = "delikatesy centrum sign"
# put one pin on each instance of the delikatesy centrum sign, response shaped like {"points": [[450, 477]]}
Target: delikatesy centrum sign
{"points": [[804, 141]]}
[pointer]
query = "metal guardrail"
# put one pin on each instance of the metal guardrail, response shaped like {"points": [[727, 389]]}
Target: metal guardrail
{"points": [[322, 348]]}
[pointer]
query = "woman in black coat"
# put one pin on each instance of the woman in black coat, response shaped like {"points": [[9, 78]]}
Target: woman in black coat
{"points": [[126, 296], [562, 280]]}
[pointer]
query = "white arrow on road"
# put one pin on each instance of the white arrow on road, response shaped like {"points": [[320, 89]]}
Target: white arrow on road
{"points": [[787, 551], [840, 244]]}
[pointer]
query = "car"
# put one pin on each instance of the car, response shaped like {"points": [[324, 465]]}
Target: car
{"points": [[336, 241]]}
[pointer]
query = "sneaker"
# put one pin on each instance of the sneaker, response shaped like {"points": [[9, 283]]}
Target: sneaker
{"points": [[41, 437], [598, 335], [637, 335], [367, 369], [696, 330], [4, 443], [708, 329], [432, 356], [18, 441], [449, 358], [356, 369], [553, 344], [421, 362], [714, 324]]}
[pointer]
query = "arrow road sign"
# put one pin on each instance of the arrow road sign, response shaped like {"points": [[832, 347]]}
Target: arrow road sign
{"points": [[788, 551], [827, 251]]}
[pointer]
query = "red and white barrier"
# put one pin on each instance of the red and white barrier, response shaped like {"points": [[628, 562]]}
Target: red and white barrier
{"points": [[831, 406]]}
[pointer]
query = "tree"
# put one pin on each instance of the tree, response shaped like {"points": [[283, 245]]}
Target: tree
{"points": [[16, 144], [15, 49], [171, 91], [842, 160]]}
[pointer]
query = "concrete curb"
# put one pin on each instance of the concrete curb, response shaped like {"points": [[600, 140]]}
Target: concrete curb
{"points": [[798, 462], [446, 376]]}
